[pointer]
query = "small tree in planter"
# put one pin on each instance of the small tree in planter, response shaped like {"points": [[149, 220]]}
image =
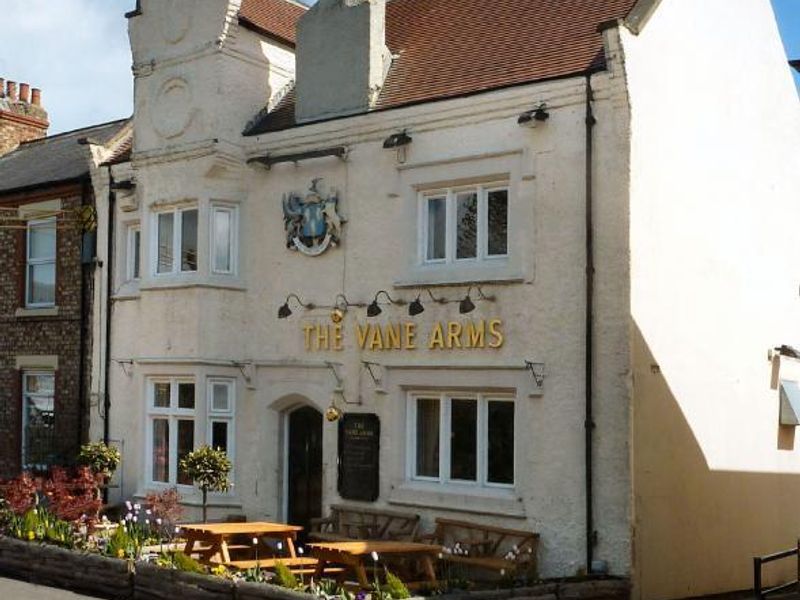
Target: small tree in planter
{"points": [[101, 459], [208, 468]]}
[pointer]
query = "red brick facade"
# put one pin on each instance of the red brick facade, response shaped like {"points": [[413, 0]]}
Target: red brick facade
{"points": [[51, 335], [22, 117]]}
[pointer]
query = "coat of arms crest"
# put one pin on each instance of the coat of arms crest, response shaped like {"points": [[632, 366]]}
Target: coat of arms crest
{"points": [[313, 223]]}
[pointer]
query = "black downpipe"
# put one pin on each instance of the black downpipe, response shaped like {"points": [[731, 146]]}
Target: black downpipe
{"points": [[82, 400], [109, 285], [591, 534]]}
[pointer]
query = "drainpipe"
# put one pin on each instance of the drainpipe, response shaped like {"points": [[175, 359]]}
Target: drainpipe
{"points": [[109, 284], [82, 401], [591, 534]]}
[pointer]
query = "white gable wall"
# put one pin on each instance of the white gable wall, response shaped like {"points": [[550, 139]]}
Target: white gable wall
{"points": [[715, 267]]}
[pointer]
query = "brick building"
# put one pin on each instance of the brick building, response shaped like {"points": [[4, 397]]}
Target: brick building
{"points": [[46, 264]]}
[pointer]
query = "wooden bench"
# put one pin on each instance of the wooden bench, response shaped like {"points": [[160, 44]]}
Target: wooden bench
{"points": [[361, 523], [486, 547]]}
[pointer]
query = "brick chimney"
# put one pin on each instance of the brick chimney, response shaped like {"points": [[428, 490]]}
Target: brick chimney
{"points": [[22, 117]]}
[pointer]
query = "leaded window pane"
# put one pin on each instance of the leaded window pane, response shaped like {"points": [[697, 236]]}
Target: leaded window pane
{"points": [[220, 400], [427, 437], [161, 450], [463, 439], [497, 234], [437, 228], [189, 240], [222, 240], [467, 225], [166, 225], [161, 398], [185, 446], [500, 431]]}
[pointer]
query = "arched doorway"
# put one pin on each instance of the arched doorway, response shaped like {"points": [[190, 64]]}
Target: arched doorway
{"points": [[304, 466]]}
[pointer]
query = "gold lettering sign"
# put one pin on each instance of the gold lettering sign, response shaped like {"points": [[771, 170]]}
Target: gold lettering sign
{"points": [[442, 335]]}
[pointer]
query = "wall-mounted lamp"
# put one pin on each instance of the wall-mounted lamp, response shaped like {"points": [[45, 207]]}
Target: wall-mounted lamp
{"points": [[373, 310], [467, 305], [284, 311], [397, 139], [416, 307], [340, 306], [533, 117], [537, 371]]}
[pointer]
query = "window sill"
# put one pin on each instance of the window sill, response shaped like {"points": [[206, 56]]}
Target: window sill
{"points": [[454, 274], [453, 497], [51, 311], [175, 283]]}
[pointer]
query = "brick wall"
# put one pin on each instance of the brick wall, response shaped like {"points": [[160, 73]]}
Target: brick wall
{"points": [[57, 335]]}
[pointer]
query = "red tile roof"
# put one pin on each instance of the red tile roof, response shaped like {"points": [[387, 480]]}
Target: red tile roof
{"points": [[277, 18], [449, 48]]}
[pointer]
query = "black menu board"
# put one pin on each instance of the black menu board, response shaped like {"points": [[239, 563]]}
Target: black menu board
{"points": [[359, 454]]}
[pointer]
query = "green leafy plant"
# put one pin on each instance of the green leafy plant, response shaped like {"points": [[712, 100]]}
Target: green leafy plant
{"points": [[209, 468], [100, 458], [40, 525], [183, 562], [284, 577], [395, 587], [121, 544]]}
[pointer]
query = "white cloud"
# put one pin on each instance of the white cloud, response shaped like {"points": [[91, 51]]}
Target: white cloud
{"points": [[76, 51]]}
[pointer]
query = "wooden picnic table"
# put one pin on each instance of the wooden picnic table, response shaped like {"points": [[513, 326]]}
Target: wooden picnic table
{"points": [[357, 556], [217, 536]]}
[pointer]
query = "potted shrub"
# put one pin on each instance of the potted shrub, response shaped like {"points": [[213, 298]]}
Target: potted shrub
{"points": [[101, 459], [209, 468]]}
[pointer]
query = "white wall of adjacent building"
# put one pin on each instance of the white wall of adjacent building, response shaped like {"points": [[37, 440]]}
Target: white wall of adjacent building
{"points": [[715, 152]]}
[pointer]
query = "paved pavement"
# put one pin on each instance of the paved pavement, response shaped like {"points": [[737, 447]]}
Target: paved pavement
{"points": [[11, 589]]}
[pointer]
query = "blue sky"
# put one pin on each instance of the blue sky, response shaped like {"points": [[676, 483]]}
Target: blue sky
{"points": [[77, 52]]}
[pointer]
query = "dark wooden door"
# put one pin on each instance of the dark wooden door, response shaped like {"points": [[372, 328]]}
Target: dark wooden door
{"points": [[305, 466]]}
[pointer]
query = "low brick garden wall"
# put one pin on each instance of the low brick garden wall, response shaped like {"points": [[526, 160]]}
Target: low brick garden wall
{"points": [[115, 579]]}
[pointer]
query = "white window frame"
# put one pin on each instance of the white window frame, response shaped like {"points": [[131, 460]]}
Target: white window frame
{"points": [[482, 467], [130, 269], [233, 243], [451, 225], [173, 414], [40, 261], [222, 416], [177, 235], [25, 396]]}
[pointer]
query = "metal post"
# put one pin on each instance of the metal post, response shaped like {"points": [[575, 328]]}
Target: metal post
{"points": [[757, 578]]}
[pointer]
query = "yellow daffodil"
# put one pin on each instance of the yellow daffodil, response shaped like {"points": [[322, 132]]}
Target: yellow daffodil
{"points": [[31, 535]]}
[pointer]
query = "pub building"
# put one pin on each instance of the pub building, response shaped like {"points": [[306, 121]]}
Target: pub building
{"points": [[480, 260]]}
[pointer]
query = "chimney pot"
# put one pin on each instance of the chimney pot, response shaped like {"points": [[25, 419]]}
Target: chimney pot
{"points": [[11, 90], [24, 92], [36, 97]]}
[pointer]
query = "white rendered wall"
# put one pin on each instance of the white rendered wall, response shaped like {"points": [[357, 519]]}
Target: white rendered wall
{"points": [[715, 154]]}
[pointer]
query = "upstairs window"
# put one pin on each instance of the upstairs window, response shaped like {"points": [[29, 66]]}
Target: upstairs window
{"points": [[224, 224], [176, 241], [40, 273], [220, 407], [462, 225]]}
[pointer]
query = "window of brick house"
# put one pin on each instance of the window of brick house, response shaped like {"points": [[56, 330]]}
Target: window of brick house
{"points": [[40, 264], [38, 420]]}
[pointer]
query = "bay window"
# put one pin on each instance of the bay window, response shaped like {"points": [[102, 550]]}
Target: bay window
{"points": [[176, 241], [134, 252], [461, 225], [461, 438], [40, 269]]}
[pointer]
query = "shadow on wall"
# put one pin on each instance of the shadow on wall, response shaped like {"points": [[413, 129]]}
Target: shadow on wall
{"points": [[697, 530]]}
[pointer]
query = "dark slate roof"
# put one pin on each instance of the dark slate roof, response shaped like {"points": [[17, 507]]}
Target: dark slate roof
{"points": [[53, 159], [452, 48]]}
